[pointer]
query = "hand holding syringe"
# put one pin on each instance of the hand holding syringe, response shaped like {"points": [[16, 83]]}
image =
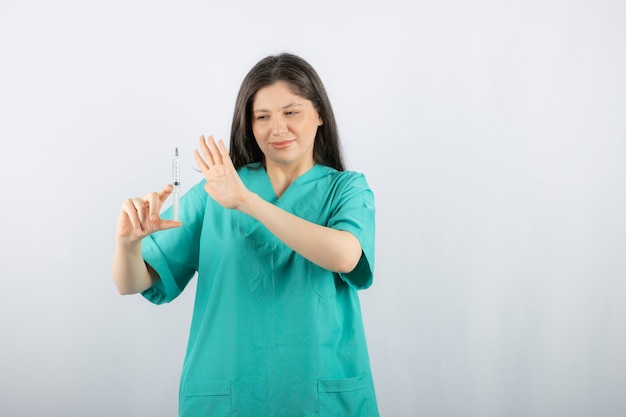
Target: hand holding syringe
{"points": [[140, 217]]}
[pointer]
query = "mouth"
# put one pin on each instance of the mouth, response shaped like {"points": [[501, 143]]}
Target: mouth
{"points": [[282, 144]]}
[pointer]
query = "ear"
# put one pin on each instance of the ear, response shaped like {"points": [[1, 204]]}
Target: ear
{"points": [[320, 121]]}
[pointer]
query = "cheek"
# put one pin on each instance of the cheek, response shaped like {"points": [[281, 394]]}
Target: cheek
{"points": [[313, 128], [260, 131]]}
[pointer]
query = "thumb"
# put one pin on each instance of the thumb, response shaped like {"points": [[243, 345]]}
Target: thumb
{"points": [[169, 224]]}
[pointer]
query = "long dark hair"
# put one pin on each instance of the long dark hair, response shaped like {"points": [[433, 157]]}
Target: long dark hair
{"points": [[304, 82]]}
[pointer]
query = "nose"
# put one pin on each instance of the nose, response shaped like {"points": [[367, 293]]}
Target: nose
{"points": [[279, 127]]}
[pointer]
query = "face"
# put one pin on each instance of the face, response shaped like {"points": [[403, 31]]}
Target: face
{"points": [[284, 126]]}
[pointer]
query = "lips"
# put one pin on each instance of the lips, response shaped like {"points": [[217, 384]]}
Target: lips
{"points": [[281, 144]]}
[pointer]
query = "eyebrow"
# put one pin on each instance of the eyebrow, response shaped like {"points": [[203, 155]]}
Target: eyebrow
{"points": [[283, 108]]}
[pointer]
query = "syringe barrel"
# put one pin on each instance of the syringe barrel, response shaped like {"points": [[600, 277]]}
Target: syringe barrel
{"points": [[176, 184]]}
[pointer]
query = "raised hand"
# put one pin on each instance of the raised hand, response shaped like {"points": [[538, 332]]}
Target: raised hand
{"points": [[222, 181]]}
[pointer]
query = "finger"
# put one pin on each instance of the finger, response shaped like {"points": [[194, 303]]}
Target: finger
{"points": [[206, 152], [136, 213], [215, 152], [224, 153], [154, 205], [142, 211], [130, 210], [165, 192], [201, 164]]}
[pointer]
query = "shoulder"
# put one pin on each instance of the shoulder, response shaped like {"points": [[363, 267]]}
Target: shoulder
{"points": [[344, 186], [345, 179]]}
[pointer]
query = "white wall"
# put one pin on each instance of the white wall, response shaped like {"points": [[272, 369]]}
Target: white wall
{"points": [[492, 132]]}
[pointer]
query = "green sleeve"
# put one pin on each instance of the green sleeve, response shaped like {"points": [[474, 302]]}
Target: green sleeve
{"points": [[355, 213]]}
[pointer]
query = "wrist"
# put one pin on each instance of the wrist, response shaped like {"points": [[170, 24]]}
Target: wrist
{"points": [[247, 205], [129, 245]]}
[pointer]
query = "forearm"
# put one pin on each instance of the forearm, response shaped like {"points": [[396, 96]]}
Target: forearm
{"points": [[130, 273], [332, 249]]}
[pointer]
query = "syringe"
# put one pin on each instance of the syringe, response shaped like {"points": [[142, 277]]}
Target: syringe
{"points": [[176, 184]]}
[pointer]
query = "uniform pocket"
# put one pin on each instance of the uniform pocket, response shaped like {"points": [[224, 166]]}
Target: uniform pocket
{"points": [[343, 397], [206, 399]]}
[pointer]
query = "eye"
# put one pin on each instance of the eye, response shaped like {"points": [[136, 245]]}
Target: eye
{"points": [[291, 113], [262, 117]]}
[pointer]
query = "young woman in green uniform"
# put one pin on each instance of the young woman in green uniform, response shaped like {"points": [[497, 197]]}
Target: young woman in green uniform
{"points": [[281, 238]]}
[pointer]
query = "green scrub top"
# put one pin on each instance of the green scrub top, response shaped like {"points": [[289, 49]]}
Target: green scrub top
{"points": [[272, 334]]}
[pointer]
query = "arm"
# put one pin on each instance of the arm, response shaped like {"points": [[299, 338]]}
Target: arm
{"points": [[130, 273], [138, 218], [331, 249]]}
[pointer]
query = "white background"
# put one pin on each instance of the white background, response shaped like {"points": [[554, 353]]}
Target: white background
{"points": [[493, 134]]}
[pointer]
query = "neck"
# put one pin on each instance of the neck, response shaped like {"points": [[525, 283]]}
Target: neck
{"points": [[281, 176]]}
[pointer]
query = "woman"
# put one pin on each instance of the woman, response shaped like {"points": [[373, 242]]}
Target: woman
{"points": [[281, 238]]}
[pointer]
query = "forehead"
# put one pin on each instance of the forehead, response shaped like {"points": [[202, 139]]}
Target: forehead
{"points": [[279, 94]]}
